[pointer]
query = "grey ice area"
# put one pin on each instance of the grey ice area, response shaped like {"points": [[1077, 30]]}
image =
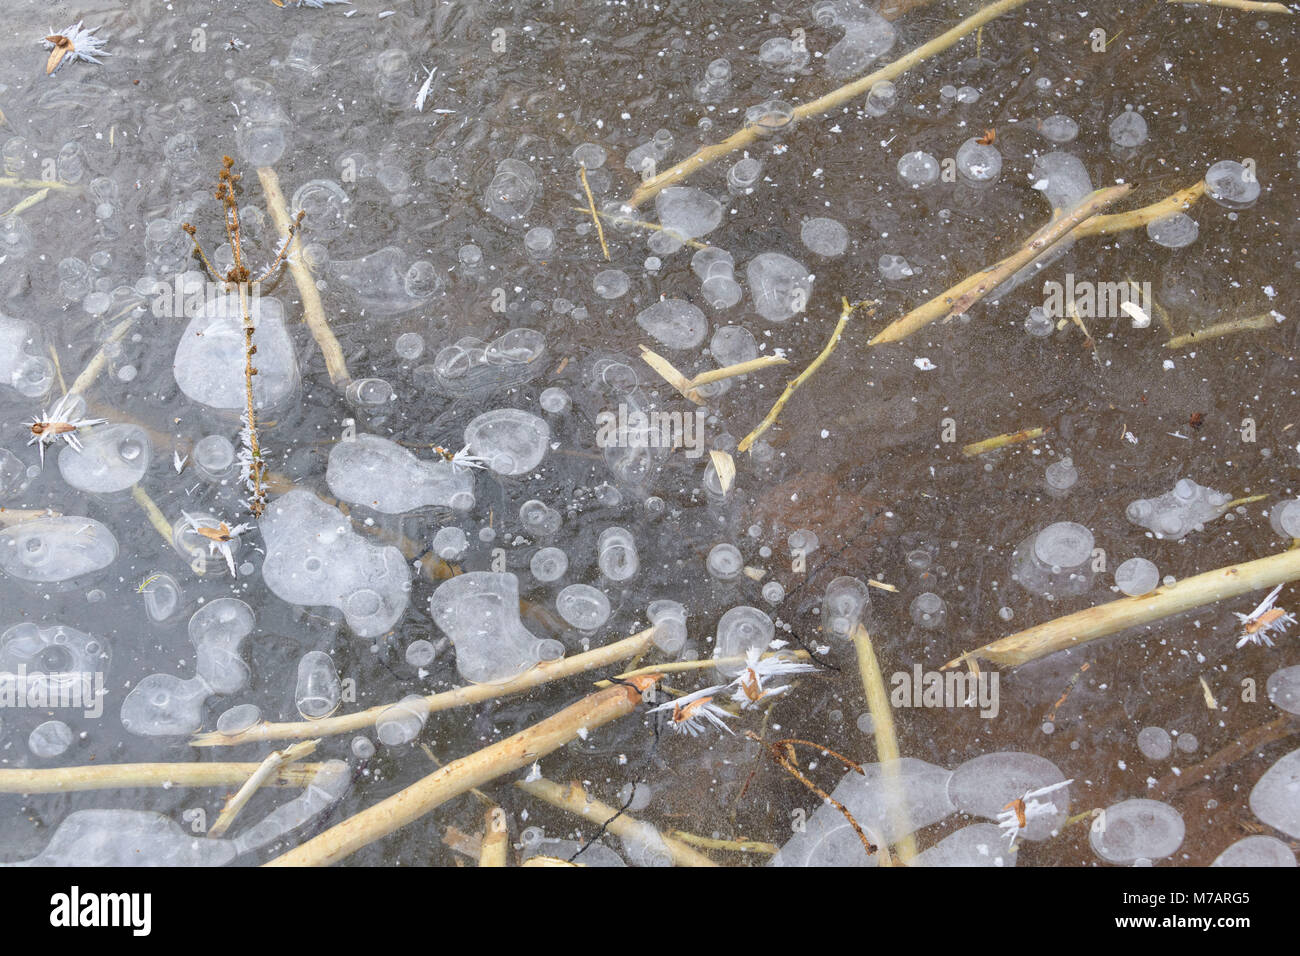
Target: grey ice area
{"points": [[209, 362], [51, 549], [921, 798], [479, 611], [314, 557], [386, 282], [470, 366], [164, 705], [1177, 513], [382, 475], [22, 366]]}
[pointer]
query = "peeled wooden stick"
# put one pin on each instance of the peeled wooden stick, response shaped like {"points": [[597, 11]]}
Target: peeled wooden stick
{"points": [[747, 135], [1081, 627], [264, 772], [1249, 5], [961, 297], [543, 673], [1171, 205], [577, 801], [153, 513], [313, 312], [513, 753], [689, 387], [96, 365], [127, 776], [846, 311], [676, 667], [595, 216], [12, 516], [882, 724]]}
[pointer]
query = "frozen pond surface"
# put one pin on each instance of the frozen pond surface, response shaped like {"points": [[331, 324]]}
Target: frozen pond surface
{"points": [[469, 472]]}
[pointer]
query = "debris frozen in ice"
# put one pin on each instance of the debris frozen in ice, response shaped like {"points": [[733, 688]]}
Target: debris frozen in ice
{"points": [[984, 785], [209, 362]]}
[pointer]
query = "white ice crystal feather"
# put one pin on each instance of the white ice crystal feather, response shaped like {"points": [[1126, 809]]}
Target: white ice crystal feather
{"points": [[76, 44]]}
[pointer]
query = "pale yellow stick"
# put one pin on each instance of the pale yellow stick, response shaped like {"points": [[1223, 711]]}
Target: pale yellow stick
{"points": [[1251, 6], [595, 217], [154, 514], [577, 801], [677, 667], [513, 753], [961, 297], [740, 368], [126, 776], [738, 846], [689, 387], [1078, 628], [12, 516], [460, 697], [27, 203], [641, 224], [747, 135], [492, 849], [846, 311], [264, 772], [1171, 205], [9, 182], [882, 725], [313, 311], [1001, 441], [96, 365], [1254, 323]]}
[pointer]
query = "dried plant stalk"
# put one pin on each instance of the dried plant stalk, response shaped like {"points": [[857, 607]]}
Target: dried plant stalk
{"points": [[513, 753], [846, 311], [543, 673], [578, 802], [746, 136], [264, 772], [882, 724], [313, 312], [496, 839], [595, 216], [1079, 628], [1171, 205], [961, 297], [126, 776], [738, 846], [1254, 323], [153, 513], [96, 365], [1000, 441], [1251, 6]]}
